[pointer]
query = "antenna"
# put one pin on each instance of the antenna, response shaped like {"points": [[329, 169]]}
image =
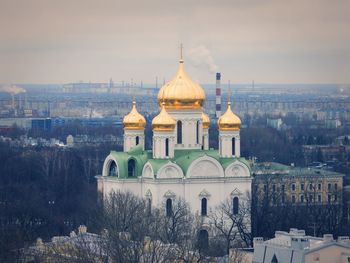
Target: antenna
{"points": [[181, 52], [229, 94]]}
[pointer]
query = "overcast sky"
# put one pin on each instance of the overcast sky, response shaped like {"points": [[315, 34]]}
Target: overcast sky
{"points": [[270, 41]]}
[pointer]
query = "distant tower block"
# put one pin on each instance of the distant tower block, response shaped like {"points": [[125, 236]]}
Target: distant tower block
{"points": [[218, 95]]}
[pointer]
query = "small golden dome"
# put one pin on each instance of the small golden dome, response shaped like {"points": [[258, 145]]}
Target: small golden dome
{"points": [[205, 121], [134, 120], [229, 121], [163, 121], [181, 92]]}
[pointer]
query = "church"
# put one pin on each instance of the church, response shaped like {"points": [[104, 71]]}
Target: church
{"points": [[180, 164]]}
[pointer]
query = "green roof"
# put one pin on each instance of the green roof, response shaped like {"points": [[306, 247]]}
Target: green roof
{"points": [[183, 158]]}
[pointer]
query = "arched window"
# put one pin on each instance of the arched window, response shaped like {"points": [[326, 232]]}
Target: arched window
{"points": [[204, 206], [169, 207], [113, 169], [233, 147], [235, 205], [149, 206], [274, 259], [197, 132], [179, 132], [137, 140], [131, 168], [203, 239], [166, 147]]}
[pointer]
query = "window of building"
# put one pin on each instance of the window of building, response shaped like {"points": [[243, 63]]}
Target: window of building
{"points": [[166, 147], [274, 199], [282, 187], [204, 206], [137, 140], [169, 207], [335, 198], [302, 187], [293, 199], [282, 199], [233, 146], [319, 198], [335, 186], [301, 199], [310, 198], [113, 169], [235, 205], [329, 187], [274, 259], [293, 187], [273, 188], [203, 239], [179, 132], [316, 257], [319, 186], [310, 187], [197, 132], [265, 188], [131, 168], [149, 206], [329, 198]]}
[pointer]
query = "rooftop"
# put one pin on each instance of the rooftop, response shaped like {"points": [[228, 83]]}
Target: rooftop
{"points": [[278, 169]]}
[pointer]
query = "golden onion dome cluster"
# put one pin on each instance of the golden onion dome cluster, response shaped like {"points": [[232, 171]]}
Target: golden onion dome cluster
{"points": [[181, 92], [134, 120], [205, 121], [229, 121], [163, 121]]}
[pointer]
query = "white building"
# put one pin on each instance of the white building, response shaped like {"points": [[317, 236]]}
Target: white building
{"points": [[296, 247], [180, 164]]}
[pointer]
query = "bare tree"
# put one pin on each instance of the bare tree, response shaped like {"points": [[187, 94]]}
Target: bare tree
{"points": [[234, 226]]}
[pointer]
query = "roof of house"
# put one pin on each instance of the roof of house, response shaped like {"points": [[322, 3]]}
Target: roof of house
{"points": [[183, 158], [278, 169]]}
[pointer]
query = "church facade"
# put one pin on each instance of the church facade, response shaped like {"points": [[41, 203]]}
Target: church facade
{"points": [[180, 164]]}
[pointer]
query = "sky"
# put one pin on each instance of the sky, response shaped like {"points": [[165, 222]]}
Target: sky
{"points": [[268, 41]]}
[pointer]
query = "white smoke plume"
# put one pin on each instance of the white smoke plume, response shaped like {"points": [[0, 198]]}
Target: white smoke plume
{"points": [[12, 89], [201, 57]]}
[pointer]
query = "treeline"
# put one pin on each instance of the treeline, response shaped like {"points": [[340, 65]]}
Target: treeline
{"points": [[45, 192], [132, 231]]}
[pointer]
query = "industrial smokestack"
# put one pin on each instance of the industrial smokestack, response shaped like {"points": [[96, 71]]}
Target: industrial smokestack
{"points": [[218, 95]]}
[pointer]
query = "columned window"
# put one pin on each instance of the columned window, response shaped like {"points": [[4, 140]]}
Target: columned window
{"points": [[197, 132], [131, 168], [113, 170], [169, 207], [235, 205], [137, 140], [233, 147], [203, 239], [204, 204], [179, 132], [149, 206], [166, 147]]}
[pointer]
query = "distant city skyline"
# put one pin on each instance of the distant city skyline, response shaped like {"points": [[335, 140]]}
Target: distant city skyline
{"points": [[268, 41]]}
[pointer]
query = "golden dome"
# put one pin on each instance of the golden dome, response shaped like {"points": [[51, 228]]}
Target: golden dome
{"points": [[229, 121], [181, 92], [163, 121], [134, 120], [205, 121]]}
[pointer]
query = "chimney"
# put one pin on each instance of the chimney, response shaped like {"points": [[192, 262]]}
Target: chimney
{"points": [[82, 229], [257, 241], [328, 238], [218, 95]]}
